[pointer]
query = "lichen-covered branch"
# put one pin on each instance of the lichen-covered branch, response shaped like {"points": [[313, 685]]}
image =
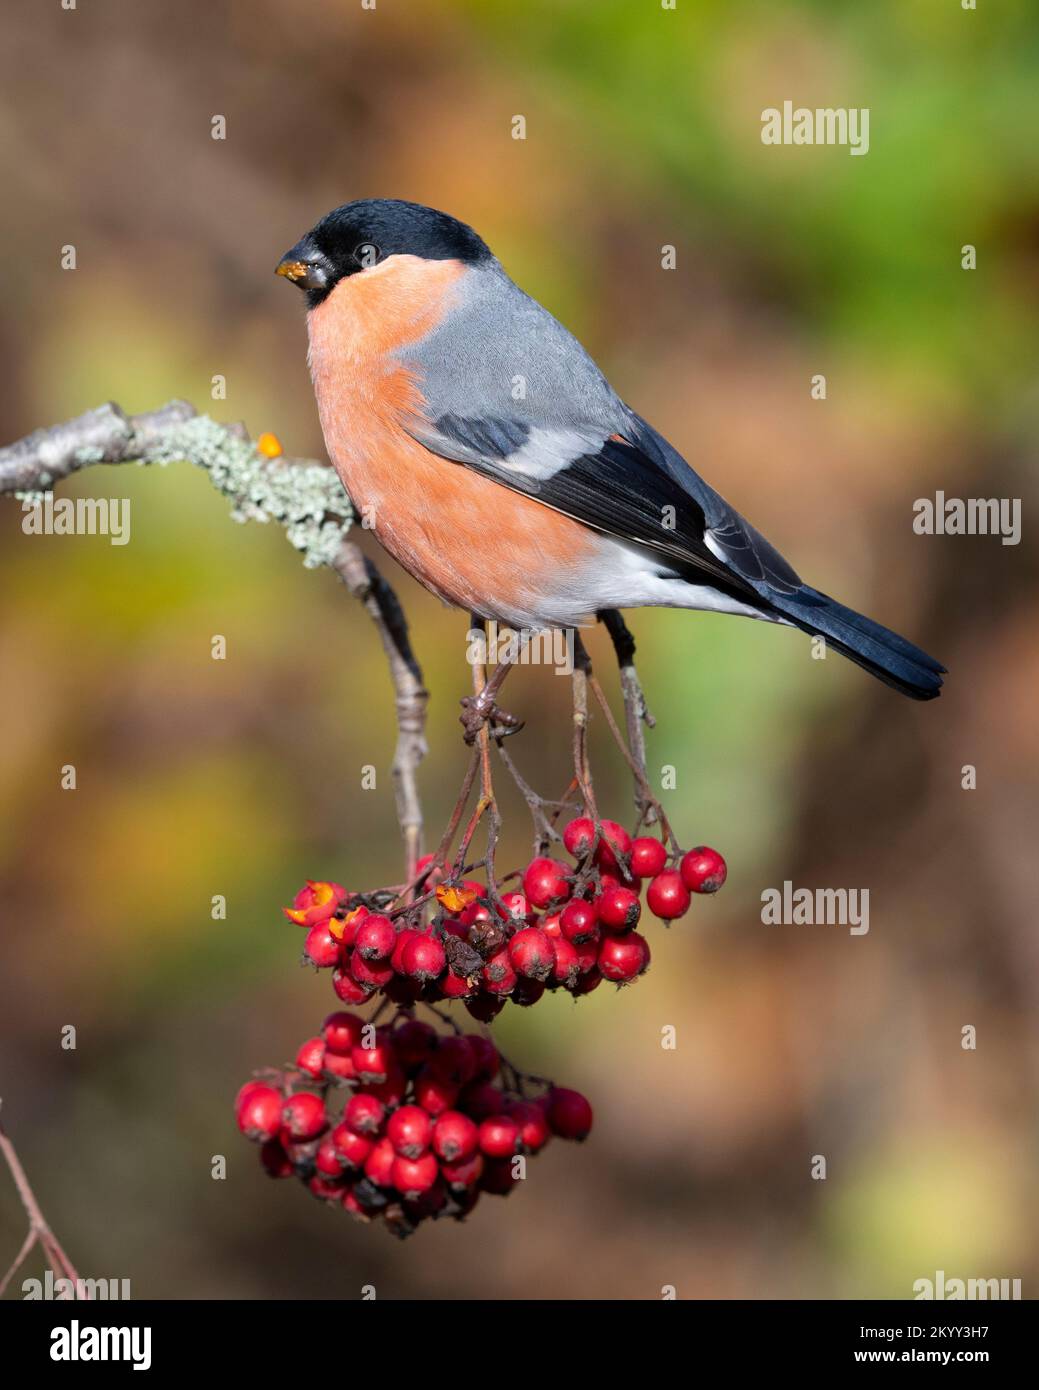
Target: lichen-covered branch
{"points": [[304, 496]]}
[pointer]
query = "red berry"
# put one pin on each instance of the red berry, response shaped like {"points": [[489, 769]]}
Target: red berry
{"points": [[453, 986], [454, 1060], [344, 928], [373, 1063], [258, 1111], [533, 1125], [311, 1057], [480, 1099], [338, 1065], [326, 1189], [414, 1176], [364, 1113], [486, 1055], [378, 1166], [566, 968], [586, 982], [431, 879], [615, 843], [321, 949], [499, 1136], [485, 1008], [370, 975], [475, 912], [303, 1115], [327, 1159], [527, 992], [455, 1136], [578, 921], [352, 1148], [352, 1204], [404, 936], [546, 881], [403, 991], [623, 958], [517, 908], [276, 1161], [433, 1093], [430, 1203], [667, 896], [315, 903], [648, 857], [588, 953], [464, 1172], [376, 938], [413, 1040], [498, 1177], [423, 958], [347, 988], [531, 953], [302, 1153], [579, 836], [391, 1091], [549, 924], [410, 1131], [568, 1113], [703, 870], [498, 975], [619, 909]]}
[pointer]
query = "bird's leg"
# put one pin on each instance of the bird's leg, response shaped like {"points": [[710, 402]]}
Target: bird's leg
{"points": [[480, 708], [487, 804], [636, 711]]}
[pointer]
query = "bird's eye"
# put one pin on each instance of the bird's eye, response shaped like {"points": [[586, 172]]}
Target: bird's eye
{"points": [[367, 255]]}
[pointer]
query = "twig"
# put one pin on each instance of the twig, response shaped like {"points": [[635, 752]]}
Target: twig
{"points": [[636, 711], [365, 583], [582, 771], [39, 1230], [544, 829], [650, 809]]}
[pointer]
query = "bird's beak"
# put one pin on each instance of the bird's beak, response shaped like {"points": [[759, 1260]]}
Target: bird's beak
{"points": [[305, 266]]}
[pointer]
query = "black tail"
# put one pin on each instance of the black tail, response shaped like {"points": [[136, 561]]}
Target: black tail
{"points": [[876, 649]]}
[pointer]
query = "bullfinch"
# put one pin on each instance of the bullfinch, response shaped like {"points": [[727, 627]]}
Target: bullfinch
{"points": [[497, 465]]}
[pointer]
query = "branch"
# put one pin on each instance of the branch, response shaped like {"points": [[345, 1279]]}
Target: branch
{"points": [[39, 1230], [304, 496], [365, 583]]}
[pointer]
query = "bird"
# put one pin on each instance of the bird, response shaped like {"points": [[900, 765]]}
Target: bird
{"points": [[493, 460]]}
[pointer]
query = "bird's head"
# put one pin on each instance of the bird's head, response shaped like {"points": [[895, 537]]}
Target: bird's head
{"points": [[358, 236]]}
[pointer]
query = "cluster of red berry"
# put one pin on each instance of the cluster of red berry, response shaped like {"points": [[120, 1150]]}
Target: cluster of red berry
{"points": [[429, 1120], [568, 926]]}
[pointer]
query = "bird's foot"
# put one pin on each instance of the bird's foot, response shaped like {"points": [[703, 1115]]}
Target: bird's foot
{"points": [[477, 711]]}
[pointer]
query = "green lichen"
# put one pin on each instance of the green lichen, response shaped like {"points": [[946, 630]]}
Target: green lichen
{"points": [[307, 499]]}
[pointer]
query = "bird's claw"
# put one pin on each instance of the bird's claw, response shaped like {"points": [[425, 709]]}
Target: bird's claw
{"points": [[476, 712]]}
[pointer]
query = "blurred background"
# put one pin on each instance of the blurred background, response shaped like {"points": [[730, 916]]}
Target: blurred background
{"points": [[242, 777]]}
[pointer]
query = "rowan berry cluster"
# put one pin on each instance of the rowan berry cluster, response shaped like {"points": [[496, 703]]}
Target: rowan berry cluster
{"points": [[401, 1122], [565, 926]]}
